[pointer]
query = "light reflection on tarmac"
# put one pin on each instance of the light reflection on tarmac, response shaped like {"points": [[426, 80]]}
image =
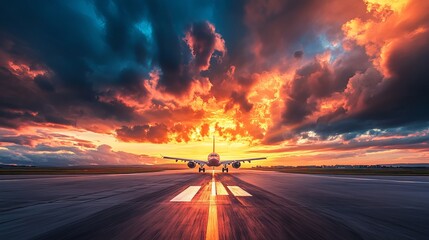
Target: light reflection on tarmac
{"points": [[275, 206]]}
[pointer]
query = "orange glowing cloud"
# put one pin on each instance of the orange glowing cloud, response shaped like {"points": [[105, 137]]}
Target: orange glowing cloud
{"points": [[391, 22], [314, 80], [24, 70]]}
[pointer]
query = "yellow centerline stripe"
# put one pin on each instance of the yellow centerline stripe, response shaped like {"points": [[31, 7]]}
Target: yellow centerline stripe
{"points": [[212, 223]]}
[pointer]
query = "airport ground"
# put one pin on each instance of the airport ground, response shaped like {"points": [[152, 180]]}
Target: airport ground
{"points": [[386, 171], [241, 204]]}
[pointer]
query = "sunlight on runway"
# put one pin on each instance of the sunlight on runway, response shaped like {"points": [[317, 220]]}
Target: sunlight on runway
{"points": [[212, 223], [215, 188]]}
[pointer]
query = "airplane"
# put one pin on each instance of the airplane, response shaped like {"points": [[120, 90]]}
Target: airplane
{"points": [[213, 160]]}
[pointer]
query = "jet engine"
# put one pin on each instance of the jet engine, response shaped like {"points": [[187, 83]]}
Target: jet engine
{"points": [[191, 164], [236, 164]]}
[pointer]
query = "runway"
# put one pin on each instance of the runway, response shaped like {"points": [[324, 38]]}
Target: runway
{"points": [[241, 204]]}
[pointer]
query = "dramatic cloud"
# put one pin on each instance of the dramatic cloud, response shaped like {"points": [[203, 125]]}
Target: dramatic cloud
{"points": [[53, 149], [382, 87], [143, 133], [312, 74], [240, 99], [42, 155], [203, 41], [412, 142]]}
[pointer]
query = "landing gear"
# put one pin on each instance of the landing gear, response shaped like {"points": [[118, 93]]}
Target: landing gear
{"points": [[201, 170], [224, 169]]}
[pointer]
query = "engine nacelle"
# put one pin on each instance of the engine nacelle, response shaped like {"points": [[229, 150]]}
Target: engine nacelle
{"points": [[236, 164], [191, 164]]}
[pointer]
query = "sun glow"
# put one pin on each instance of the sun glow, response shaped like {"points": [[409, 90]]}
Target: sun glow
{"points": [[330, 81]]}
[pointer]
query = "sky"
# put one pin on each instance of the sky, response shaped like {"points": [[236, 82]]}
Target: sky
{"points": [[308, 82]]}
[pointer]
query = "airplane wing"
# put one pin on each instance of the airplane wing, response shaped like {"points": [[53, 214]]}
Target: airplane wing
{"points": [[200, 162], [242, 160]]}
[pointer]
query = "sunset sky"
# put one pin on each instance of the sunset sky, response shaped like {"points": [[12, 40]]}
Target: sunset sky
{"points": [[301, 82]]}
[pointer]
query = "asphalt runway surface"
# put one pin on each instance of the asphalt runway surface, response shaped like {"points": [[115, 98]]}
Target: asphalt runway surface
{"points": [[241, 204]]}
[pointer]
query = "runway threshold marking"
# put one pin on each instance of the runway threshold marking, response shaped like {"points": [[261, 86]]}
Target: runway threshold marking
{"points": [[186, 195], [220, 189], [238, 191]]}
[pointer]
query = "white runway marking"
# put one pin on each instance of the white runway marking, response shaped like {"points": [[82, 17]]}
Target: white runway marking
{"points": [[213, 184], [186, 195], [213, 188], [238, 191], [220, 189]]}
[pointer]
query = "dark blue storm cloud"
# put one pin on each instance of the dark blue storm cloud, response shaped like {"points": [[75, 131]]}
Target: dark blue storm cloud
{"points": [[97, 53]]}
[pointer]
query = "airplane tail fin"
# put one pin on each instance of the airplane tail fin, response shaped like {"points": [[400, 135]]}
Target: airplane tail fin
{"points": [[213, 143]]}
